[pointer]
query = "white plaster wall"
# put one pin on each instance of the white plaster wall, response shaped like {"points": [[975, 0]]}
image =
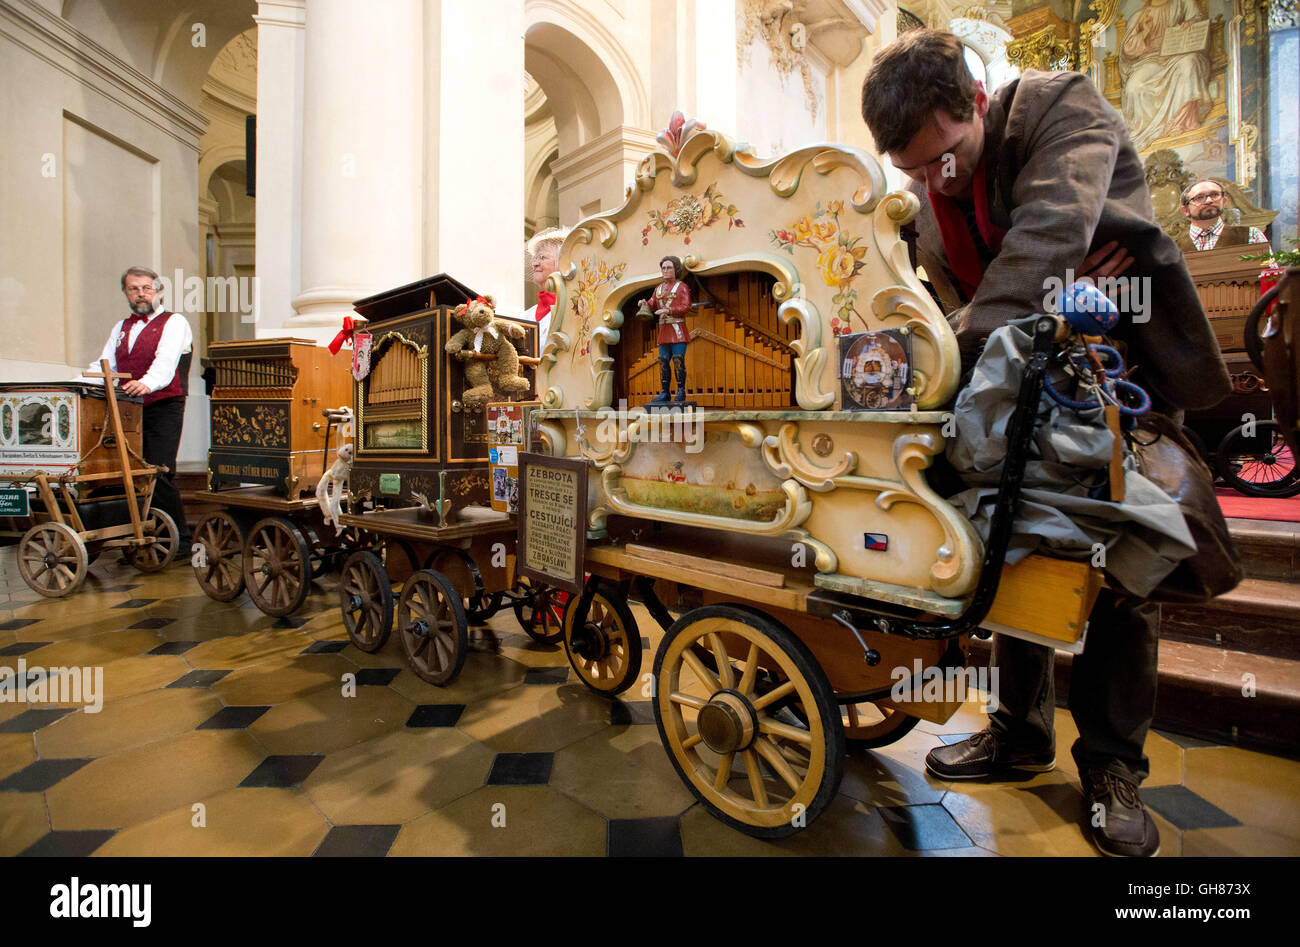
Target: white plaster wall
{"points": [[773, 112], [118, 187]]}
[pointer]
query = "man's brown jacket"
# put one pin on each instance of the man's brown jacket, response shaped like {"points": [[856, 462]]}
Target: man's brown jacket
{"points": [[1063, 179]]}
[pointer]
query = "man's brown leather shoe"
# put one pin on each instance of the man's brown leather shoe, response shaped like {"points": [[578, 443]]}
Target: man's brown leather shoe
{"points": [[1117, 821], [983, 754]]}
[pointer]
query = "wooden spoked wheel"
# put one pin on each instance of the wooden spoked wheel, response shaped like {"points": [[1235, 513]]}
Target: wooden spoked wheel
{"points": [[431, 623], [868, 725], [218, 562], [605, 648], [727, 730], [52, 559], [159, 554], [540, 610], [277, 566], [366, 601]]}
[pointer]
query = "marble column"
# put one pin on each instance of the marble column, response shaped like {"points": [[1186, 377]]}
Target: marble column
{"points": [[280, 42], [362, 156], [474, 145]]}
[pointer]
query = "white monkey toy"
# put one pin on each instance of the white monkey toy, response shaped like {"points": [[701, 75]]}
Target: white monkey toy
{"points": [[329, 492]]}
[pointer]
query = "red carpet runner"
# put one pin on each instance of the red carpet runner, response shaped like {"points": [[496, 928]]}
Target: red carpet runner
{"points": [[1236, 505]]}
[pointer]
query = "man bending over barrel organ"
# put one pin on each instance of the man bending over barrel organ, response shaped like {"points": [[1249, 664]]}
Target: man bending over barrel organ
{"points": [[1016, 189]]}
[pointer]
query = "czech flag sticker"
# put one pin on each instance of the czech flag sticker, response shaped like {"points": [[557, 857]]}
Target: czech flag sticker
{"points": [[876, 541]]}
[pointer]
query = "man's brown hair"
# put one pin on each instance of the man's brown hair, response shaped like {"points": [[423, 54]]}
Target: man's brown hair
{"points": [[139, 271], [912, 77]]}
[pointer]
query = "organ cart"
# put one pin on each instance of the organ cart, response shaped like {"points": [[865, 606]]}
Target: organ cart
{"points": [[421, 490], [789, 514], [76, 483], [278, 413]]}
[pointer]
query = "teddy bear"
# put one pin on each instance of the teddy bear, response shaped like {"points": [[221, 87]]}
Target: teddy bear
{"points": [[484, 334]]}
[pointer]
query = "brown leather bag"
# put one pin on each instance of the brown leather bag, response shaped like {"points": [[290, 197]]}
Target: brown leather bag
{"points": [[1276, 352], [1169, 460]]}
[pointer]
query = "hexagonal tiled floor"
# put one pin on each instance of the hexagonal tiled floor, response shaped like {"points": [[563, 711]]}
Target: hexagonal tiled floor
{"points": [[217, 730]]}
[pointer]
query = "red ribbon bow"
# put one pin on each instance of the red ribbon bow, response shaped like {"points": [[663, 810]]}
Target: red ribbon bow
{"points": [[345, 335], [544, 303]]}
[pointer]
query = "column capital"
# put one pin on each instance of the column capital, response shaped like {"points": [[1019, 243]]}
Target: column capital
{"points": [[290, 13]]}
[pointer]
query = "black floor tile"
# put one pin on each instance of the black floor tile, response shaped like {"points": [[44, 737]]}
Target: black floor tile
{"points": [[21, 647], [136, 603], [232, 718], [647, 838], [924, 827], [153, 623], [14, 624], [29, 721], [436, 715], [324, 647], [547, 675], [358, 841], [625, 712], [645, 642], [289, 621], [41, 775], [377, 677], [281, 772], [1186, 809], [173, 647], [521, 769], [198, 679], [69, 844]]}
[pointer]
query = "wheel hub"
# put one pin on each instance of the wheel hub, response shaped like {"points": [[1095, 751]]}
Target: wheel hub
{"points": [[590, 642], [728, 723], [420, 629]]}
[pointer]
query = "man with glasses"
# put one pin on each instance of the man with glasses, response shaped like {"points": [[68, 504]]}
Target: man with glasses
{"points": [[1203, 205], [154, 346]]}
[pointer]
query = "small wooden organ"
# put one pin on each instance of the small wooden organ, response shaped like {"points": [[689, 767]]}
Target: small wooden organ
{"points": [[266, 412], [48, 426], [411, 420]]}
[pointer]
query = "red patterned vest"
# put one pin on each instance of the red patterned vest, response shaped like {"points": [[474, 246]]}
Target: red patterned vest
{"points": [[138, 359]]}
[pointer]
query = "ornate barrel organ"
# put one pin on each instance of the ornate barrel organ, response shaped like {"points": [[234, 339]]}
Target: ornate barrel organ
{"points": [[267, 425], [411, 419], [48, 426], [789, 261]]}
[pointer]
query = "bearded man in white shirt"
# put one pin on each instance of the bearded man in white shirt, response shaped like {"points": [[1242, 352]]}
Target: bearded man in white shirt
{"points": [[154, 347]]}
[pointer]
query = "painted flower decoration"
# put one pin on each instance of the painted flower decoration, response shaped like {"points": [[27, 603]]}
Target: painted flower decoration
{"points": [[839, 256]]}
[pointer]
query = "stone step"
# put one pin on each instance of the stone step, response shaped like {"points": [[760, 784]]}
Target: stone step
{"points": [[1214, 693], [1269, 549], [1260, 616]]}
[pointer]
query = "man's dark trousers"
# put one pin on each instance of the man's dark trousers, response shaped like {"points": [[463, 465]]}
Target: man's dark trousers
{"points": [[162, 439], [1112, 688]]}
